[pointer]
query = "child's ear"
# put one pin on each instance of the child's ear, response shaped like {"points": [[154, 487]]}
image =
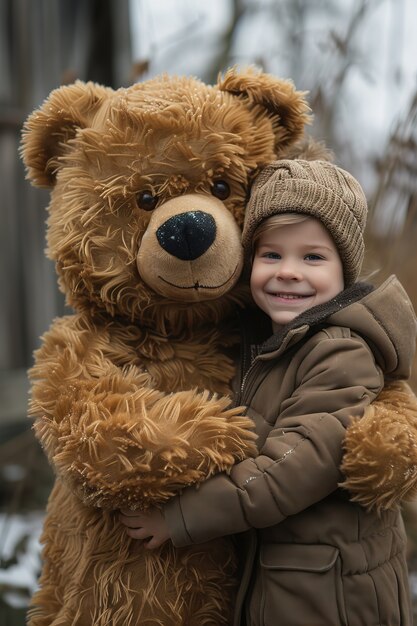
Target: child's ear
{"points": [[47, 130], [287, 107]]}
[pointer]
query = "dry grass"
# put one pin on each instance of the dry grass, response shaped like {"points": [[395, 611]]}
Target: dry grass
{"points": [[397, 255], [395, 203]]}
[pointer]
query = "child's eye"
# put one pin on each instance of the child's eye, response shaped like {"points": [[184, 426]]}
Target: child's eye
{"points": [[314, 257], [271, 255]]}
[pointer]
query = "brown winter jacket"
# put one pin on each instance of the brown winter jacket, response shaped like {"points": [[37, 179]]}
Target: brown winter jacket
{"points": [[316, 558]]}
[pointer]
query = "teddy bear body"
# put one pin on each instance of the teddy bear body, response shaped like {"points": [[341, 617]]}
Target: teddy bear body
{"points": [[131, 394]]}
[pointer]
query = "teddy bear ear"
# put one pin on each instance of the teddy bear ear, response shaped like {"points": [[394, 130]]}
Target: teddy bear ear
{"points": [[286, 106], [49, 128]]}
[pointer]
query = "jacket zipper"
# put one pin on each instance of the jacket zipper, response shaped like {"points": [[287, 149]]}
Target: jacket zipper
{"points": [[245, 387], [243, 361], [247, 364]]}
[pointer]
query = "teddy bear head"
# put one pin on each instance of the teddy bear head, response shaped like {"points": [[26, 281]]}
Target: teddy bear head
{"points": [[148, 188]]}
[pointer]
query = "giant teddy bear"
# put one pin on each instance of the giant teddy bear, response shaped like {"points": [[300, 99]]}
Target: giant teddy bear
{"points": [[131, 393]]}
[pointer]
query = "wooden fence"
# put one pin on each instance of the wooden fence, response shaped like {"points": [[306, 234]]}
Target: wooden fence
{"points": [[43, 44]]}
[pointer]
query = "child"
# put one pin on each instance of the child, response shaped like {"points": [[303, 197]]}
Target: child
{"points": [[314, 558]]}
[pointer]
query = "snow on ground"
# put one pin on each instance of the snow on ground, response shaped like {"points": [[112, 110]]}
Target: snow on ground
{"points": [[20, 557]]}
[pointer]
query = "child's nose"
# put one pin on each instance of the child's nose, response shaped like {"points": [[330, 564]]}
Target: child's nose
{"points": [[288, 270]]}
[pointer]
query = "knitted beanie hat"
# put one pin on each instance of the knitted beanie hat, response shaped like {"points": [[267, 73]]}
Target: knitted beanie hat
{"points": [[319, 189]]}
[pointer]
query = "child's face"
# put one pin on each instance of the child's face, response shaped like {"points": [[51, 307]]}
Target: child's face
{"points": [[295, 267]]}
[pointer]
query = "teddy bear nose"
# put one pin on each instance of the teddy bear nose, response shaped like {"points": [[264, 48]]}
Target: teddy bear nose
{"points": [[187, 235]]}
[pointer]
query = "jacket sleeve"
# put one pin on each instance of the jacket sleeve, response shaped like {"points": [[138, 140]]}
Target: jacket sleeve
{"points": [[298, 463]]}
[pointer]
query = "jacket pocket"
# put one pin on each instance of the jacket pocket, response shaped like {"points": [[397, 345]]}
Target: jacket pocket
{"points": [[300, 585]]}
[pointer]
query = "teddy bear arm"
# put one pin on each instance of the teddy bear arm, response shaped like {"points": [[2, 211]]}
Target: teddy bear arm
{"points": [[380, 458], [114, 439]]}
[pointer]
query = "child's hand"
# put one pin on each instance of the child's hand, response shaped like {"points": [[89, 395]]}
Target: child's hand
{"points": [[150, 526]]}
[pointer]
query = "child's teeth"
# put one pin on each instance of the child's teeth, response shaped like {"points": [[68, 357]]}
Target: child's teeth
{"points": [[288, 296]]}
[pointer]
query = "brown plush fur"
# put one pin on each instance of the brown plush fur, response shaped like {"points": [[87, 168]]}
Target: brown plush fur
{"points": [[131, 394], [380, 460]]}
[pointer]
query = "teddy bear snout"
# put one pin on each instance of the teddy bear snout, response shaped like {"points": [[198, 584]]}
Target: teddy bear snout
{"points": [[187, 235], [191, 250]]}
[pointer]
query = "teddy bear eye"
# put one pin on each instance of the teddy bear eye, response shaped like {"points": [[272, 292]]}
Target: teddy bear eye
{"points": [[220, 189], [146, 200]]}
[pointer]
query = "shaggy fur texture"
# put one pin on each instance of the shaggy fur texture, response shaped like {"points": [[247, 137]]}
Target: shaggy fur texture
{"points": [[131, 393], [380, 460]]}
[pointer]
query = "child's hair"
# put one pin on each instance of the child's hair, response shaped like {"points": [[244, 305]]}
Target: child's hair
{"points": [[273, 222]]}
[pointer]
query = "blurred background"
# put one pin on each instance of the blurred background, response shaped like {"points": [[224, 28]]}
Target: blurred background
{"points": [[357, 59]]}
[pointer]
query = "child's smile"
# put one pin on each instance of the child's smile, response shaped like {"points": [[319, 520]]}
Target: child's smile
{"points": [[289, 296]]}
